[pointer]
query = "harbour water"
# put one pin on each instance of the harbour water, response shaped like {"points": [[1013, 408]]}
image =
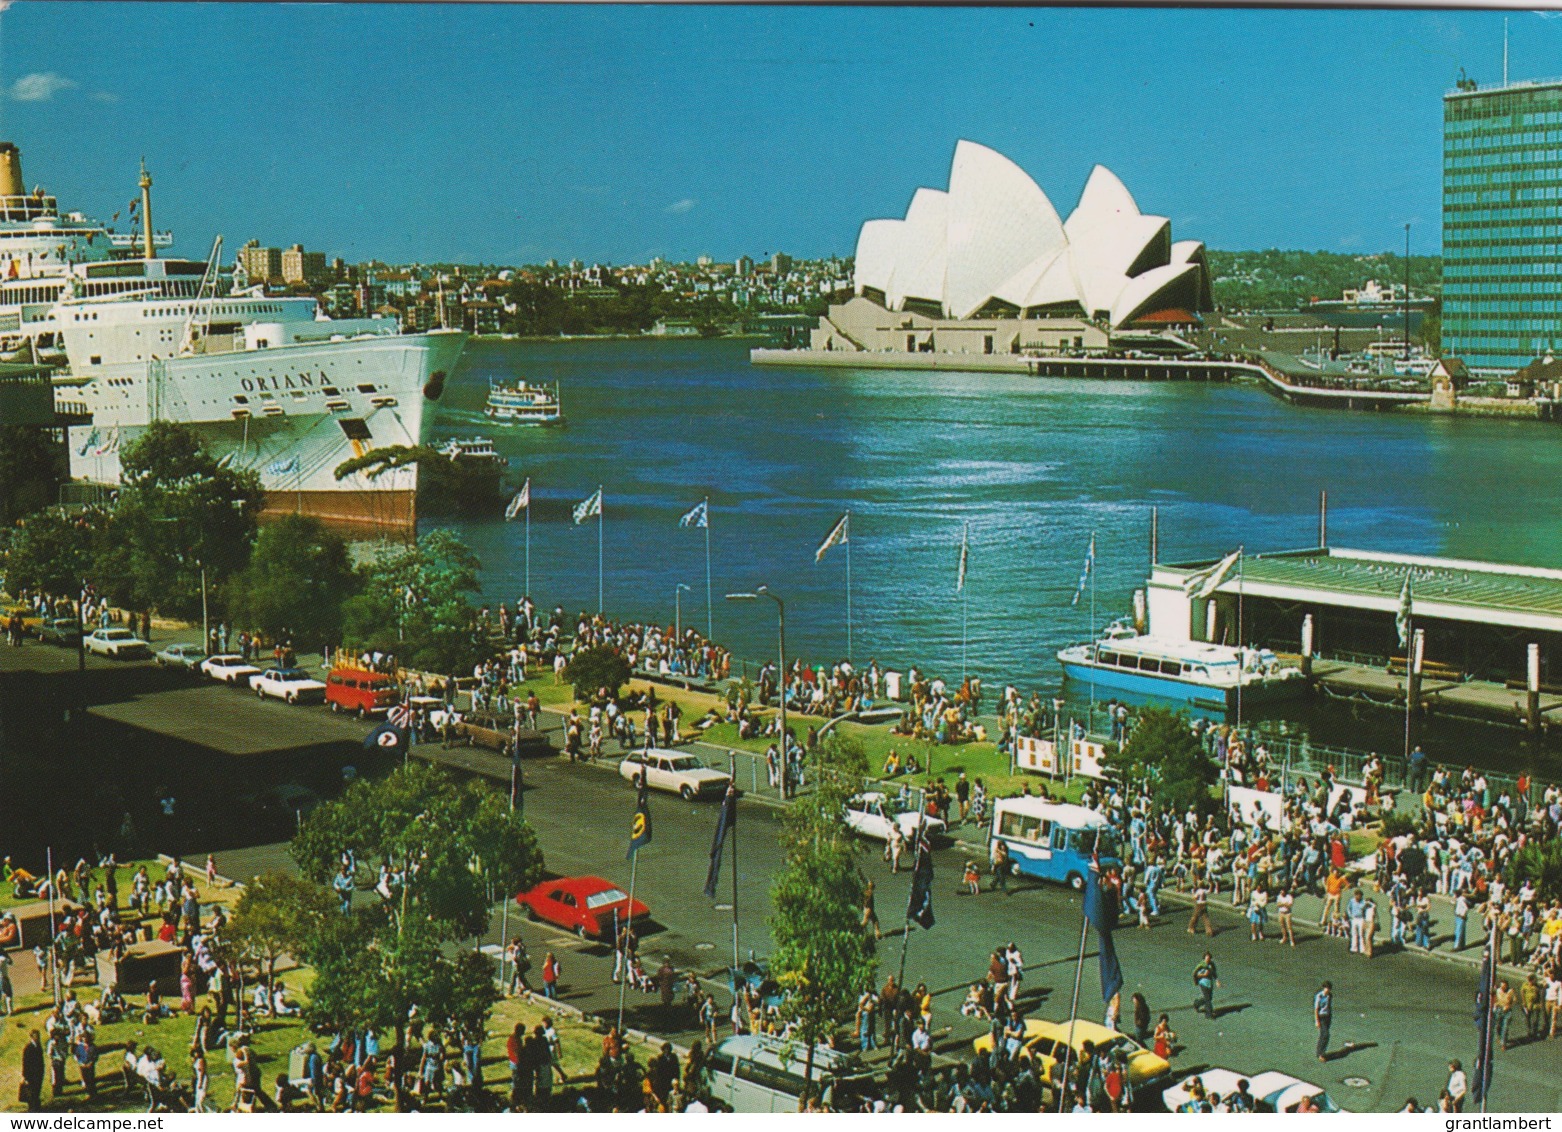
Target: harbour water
{"points": [[1034, 466]]}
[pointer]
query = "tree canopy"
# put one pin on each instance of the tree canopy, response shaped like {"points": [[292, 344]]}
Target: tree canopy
{"points": [[595, 669], [298, 577], [278, 914], [1162, 751], [414, 604]]}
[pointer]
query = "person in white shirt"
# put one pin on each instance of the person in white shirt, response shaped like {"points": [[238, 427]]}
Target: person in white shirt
{"points": [[1458, 1085]]}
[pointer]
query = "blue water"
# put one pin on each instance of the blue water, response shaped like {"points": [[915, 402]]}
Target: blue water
{"points": [[1033, 465]]}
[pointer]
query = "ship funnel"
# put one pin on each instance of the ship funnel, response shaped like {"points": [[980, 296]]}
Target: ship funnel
{"points": [[11, 171]]}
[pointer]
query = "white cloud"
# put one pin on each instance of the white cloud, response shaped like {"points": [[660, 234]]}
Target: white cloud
{"points": [[104, 96], [40, 86], [679, 207]]}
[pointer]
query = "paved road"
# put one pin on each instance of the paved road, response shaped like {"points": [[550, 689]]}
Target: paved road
{"points": [[1400, 1017]]}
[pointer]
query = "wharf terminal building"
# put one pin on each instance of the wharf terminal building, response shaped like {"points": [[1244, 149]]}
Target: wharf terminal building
{"points": [[987, 267]]}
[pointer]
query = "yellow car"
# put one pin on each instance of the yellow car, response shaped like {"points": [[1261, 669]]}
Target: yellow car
{"points": [[31, 618], [1045, 1043]]}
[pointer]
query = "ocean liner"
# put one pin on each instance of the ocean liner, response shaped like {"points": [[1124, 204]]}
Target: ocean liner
{"points": [[268, 382]]}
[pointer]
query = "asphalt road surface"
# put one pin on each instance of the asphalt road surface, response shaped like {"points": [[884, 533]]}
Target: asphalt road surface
{"points": [[1399, 1018]]}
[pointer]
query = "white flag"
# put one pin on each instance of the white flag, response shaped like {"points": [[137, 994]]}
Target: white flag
{"points": [[1402, 618], [1206, 582], [965, 537], [839, 533], [522, 500], [589, 507], [696, 516]]}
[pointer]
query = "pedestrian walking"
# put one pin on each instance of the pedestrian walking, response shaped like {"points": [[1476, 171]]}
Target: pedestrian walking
{"points": [[1000, 866], [31, 1090], [1141, 1018], [1200, 910], [1458, 1085], [1284, 903], [1323, 1015], [1206, 978], [870, 915], [550, 976], [1461, 920]]}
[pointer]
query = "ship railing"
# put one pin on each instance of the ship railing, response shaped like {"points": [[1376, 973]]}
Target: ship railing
{"points": [[24, 208]]}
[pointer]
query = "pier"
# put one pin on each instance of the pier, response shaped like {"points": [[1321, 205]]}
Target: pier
{"points": [[1095, 366]]}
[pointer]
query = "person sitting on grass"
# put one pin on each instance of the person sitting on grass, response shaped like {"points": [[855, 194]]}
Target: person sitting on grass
{"points": [[154, 1005]]}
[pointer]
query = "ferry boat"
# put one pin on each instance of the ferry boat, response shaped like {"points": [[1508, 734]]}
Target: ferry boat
{"points": [[521, 403], [1193, 673], [268, 382]]}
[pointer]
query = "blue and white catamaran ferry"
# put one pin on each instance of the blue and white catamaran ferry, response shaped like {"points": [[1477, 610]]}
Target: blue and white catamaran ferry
{"points": [[1193, 673]]}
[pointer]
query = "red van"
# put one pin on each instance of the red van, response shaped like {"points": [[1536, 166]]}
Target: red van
{"points": [[367, 693]]}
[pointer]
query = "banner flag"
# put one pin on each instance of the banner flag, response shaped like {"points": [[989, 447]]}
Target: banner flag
{"points": [[1084, 575], [1101, 911], [1206, 582], [919, 909], [726, 823], [586, 508], [1402, 618], [522, 500], [696, 516], [640, 824], [965, 538], [1484, 1029], [839, 533]]}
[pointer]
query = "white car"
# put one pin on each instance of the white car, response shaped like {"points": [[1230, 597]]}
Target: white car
{"points": [[1271, 1092], [230, 669], [294, 685], [676, 771], [870, 815], [116, 643]]}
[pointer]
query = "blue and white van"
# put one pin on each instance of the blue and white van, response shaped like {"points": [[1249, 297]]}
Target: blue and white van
{"points": [[1053, 840]]}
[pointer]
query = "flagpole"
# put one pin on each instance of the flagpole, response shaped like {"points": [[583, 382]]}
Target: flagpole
{"points": [[634, 868], [599, 566], [1073, 1010], [528, 539], [710, 616], [848, 541], [732, 832], [1092, 640], [965, 537], [504, 913], [1241, 558]]}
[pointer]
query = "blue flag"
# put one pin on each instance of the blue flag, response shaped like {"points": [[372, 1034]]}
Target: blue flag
{"points": [[640, 824], [726, 823], [1485, 1031], [1101, 911], [1084, 575], [698, 516], [919, 908]]}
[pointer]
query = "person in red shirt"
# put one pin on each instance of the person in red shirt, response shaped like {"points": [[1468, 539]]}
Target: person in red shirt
{"points": [[363, 1090]]}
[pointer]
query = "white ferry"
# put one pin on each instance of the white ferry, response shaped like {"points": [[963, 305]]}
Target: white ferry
{"points": [[1195, 673], [521, 403]]}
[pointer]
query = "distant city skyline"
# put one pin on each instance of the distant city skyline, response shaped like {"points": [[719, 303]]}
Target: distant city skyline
{"points": [[516, 134]]}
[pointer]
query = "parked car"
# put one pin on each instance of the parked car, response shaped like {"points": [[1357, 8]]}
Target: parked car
{"points": [[31, 618], [356, 689], [230, 668], [870, 815], [294, 685], [119, 644], [60, 631], [1271, 1091], [675, 771], [765, 1073], [181, 656], [583, 905], [1046, 1042]]}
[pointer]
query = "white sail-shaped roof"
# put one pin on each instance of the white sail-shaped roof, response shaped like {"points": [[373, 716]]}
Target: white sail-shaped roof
{"points": [[995, 236]]}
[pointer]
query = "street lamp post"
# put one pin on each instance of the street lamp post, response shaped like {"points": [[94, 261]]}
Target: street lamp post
{"points": [[678, 614], [764, 591]]}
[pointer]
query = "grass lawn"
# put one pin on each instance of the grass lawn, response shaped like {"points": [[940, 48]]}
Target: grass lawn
{"points": [[581, 1046], [155, 870]]}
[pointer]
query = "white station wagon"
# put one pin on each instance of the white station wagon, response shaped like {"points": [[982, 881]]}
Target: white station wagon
{"points": [[675, 771], [870, 815], [116, 643], [294, 685]]}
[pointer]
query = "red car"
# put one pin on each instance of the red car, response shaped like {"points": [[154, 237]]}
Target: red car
{"points": [[583, 905]]}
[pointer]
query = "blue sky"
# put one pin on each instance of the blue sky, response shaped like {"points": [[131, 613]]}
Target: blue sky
{"points": [[517, 133]]}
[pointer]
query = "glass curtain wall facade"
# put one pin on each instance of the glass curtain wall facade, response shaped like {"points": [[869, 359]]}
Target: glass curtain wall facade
{"points": [[1502, 224]]}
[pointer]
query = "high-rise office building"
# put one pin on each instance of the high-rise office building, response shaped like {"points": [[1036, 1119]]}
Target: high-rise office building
{"points": [[1502, 223]]}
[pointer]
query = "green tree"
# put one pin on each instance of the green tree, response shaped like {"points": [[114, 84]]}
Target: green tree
{"points": [[178, 511], [414, 603], [1163, 752], [297, 579], [464, 840], [277, 915], [52, 550], [822, 957], [1540, 863], [596, 669], [32, 467]]}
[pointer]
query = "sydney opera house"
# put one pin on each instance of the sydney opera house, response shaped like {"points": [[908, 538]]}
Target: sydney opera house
{"points": [[989, 267]]}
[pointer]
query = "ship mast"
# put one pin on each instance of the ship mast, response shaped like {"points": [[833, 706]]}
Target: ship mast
{"points": [[148, 251], [205, 298]]}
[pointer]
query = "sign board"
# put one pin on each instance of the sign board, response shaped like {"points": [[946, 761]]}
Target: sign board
{"points": [[1087, 754], [1041, 756]]}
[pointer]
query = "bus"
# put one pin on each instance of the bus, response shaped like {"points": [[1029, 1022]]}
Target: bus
{"points": [[1053, 840]]}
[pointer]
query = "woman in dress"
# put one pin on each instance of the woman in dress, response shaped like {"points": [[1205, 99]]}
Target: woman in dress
{"points": [[1164, 1038]]}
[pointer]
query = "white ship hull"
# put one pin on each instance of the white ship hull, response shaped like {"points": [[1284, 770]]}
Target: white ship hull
{"points": [[291, 413]]}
